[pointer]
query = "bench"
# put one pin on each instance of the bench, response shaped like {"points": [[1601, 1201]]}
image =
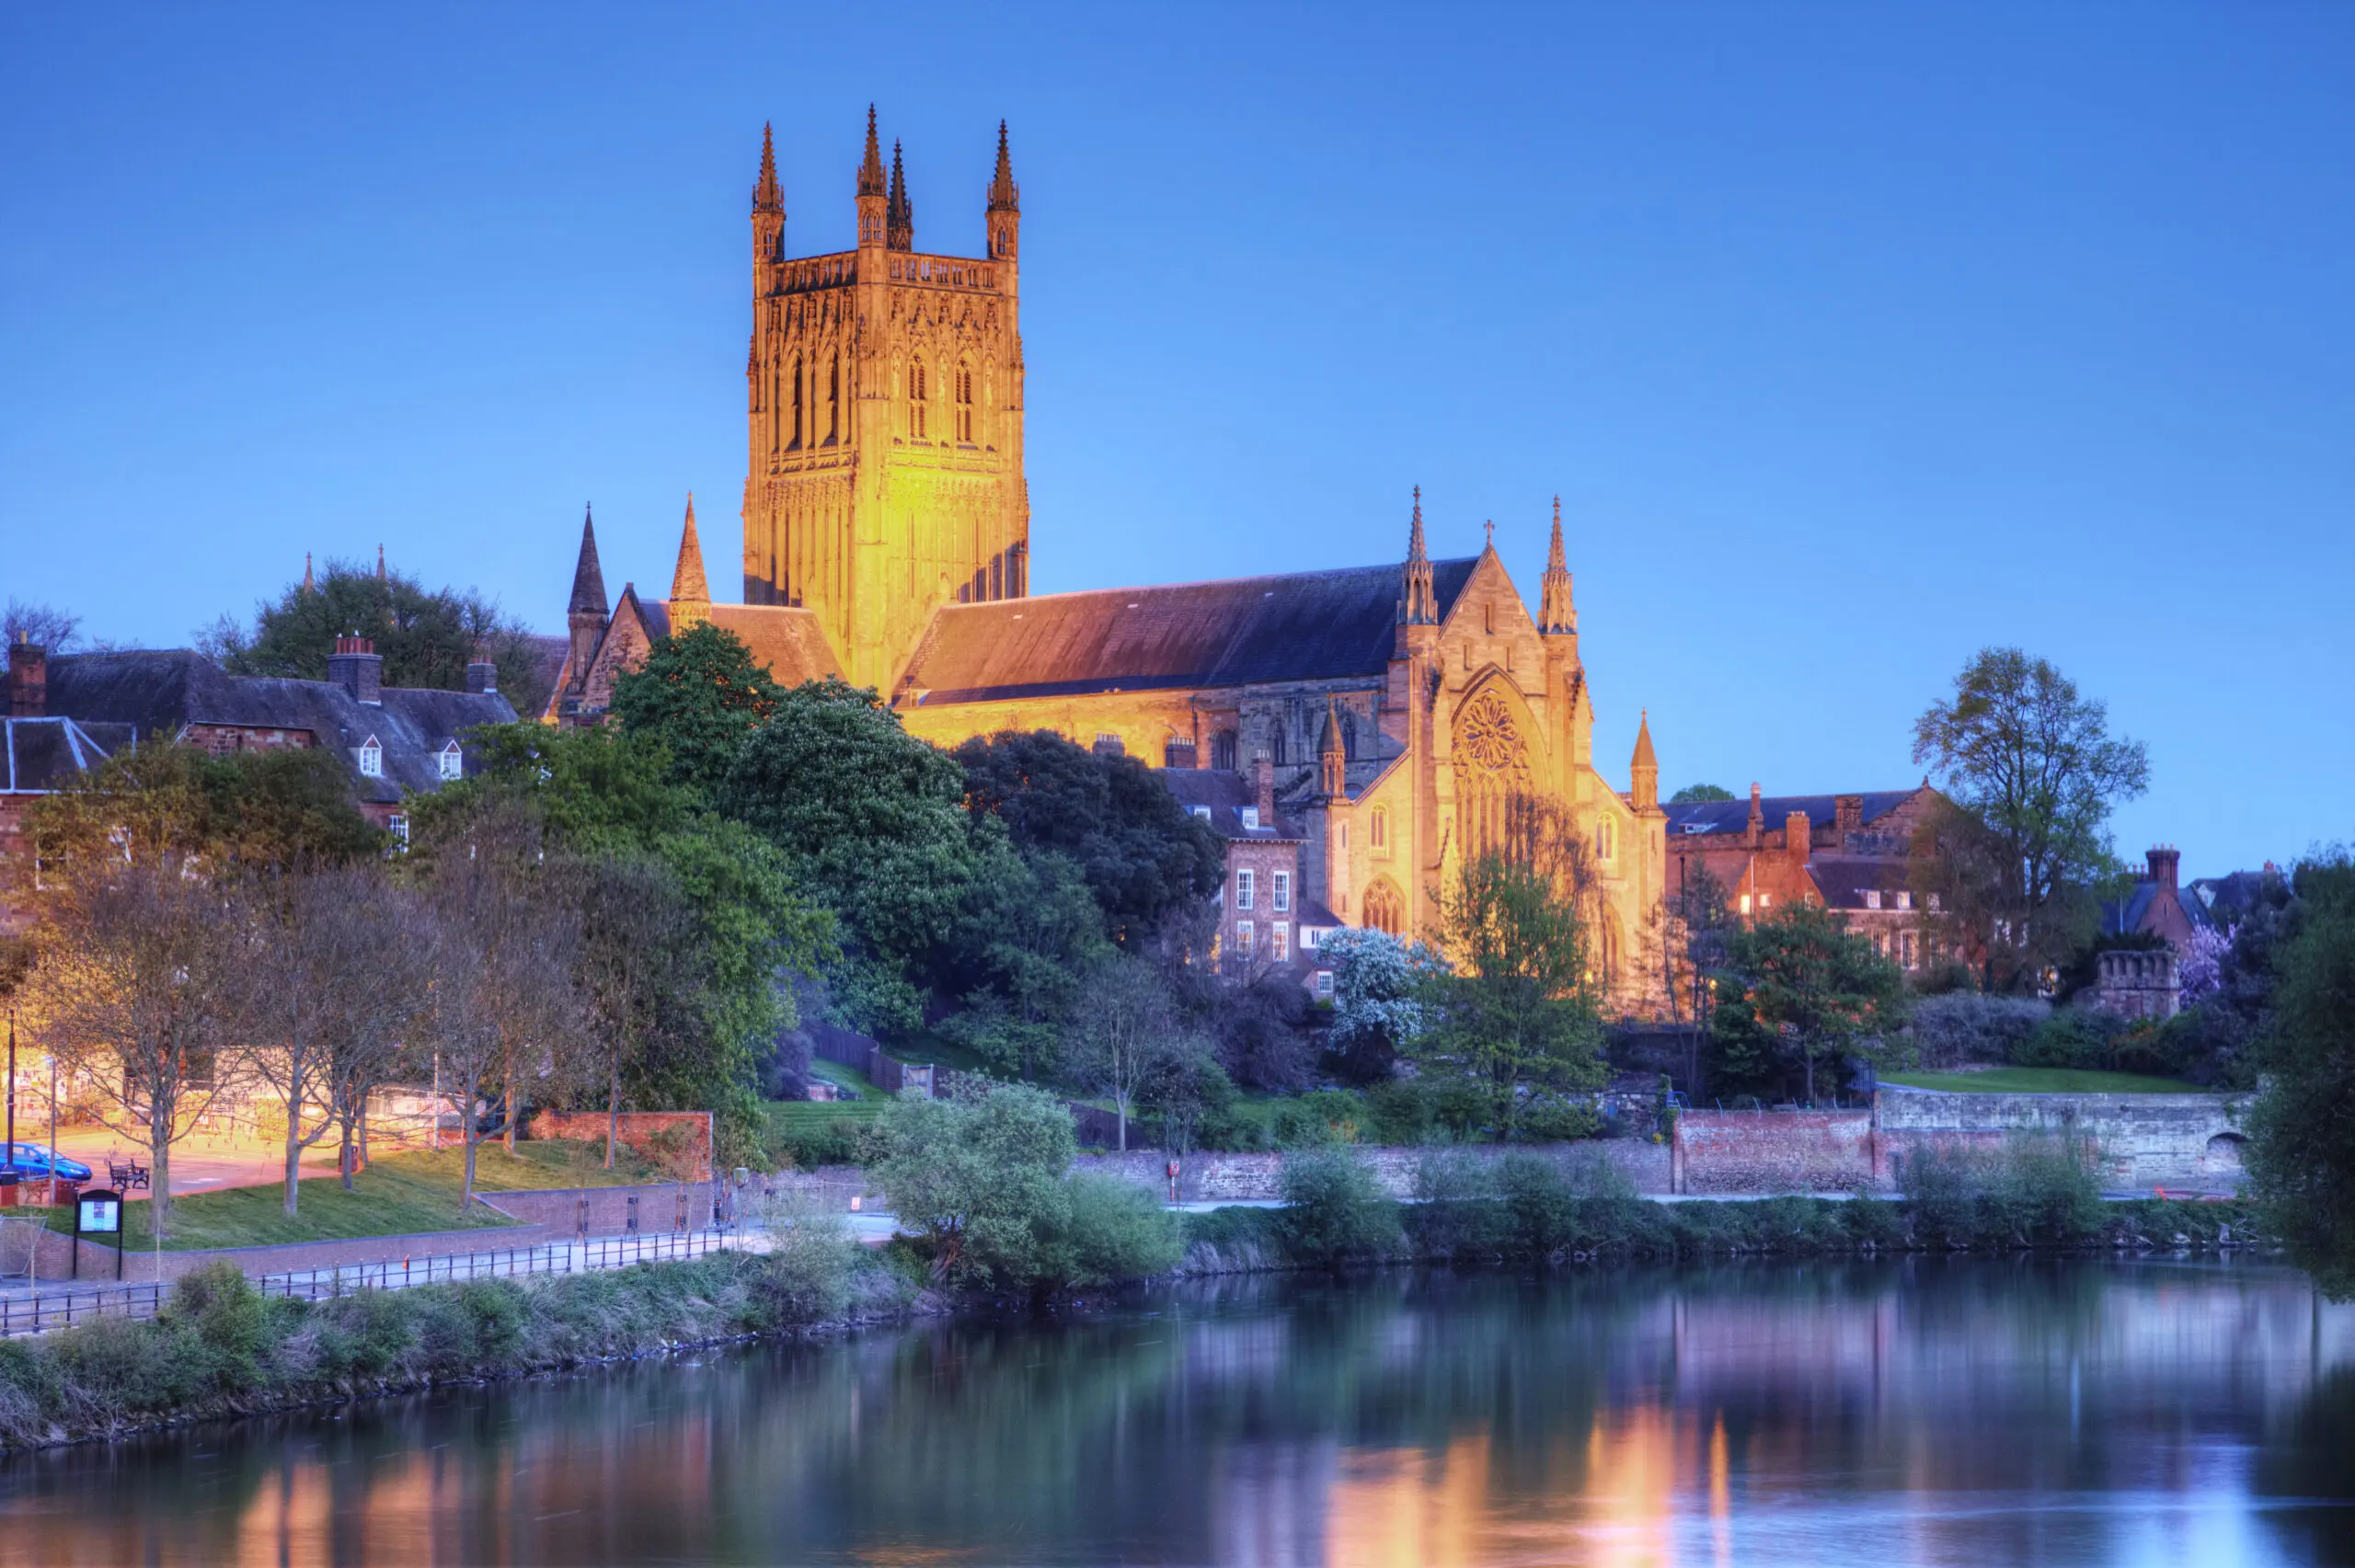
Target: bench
{"points": [[126, 1177]]}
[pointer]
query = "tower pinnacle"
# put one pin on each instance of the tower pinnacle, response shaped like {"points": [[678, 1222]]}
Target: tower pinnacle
{"points": [[690, 592], [1555, 611], [588, 579], [1644, 770], [1005, 195], [899, 217], [766, 197], [1418, 601], [871, 171]]}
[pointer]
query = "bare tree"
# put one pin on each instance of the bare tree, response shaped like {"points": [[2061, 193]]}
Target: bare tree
{"points": [[639, 968], [1126, 1026], [134, 993], [378, 1017], [39, 624]]}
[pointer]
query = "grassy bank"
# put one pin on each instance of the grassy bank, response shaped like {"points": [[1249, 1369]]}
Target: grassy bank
{"points": [[397, 1194], [1530, 1213], [220, 1348], [2043, 1081]]}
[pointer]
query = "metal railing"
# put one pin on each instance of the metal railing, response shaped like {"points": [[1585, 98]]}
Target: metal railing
{"points": [[45, 1311]]}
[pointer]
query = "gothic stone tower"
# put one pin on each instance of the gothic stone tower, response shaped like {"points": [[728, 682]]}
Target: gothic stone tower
{"points": [[886, 421]]}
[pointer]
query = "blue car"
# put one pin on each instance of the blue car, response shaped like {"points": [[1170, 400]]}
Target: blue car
{"points": [[32, 1160]]}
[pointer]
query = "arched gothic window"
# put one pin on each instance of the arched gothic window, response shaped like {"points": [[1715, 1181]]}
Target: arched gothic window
{"points": [[915, 398], [834, 400], [1384, 909], [797, 400], [1381, 829], [1223, 750], [1492, 770], [964, 404], [1606, 841]]}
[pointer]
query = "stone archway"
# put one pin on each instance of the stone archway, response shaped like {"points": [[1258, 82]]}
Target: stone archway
{"points": [[1385, 908]]}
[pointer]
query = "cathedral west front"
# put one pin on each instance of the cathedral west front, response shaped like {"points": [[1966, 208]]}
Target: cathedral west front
{"points": [[1357, 731]]}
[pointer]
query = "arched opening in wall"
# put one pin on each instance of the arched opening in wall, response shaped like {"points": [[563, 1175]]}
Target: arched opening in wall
{"points": [[2224, 1154], [1222, 751], [1380, 831], [915, 399], [834, 400], [965, 404], [1386, 910], [796, 402], [1606, 840], [1277, 752], [1491, 772], [1349, 735]]}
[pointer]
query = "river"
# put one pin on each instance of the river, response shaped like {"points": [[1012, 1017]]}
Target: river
{"points": [[1967, 1412]]}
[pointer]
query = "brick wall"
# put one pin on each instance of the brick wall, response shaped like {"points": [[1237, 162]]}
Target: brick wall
{"points": [[1773, 1151]]}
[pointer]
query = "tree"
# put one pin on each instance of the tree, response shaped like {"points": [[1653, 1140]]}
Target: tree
{"points": [[1379, 986], [250, 810], [1700, 794], [1142, 854], [1813, 987], [700, 694], [2301, 1155], [638, 968], [134, 993], [1028, 939], [978, 1181], [1519, 1008], [42, 626], [1124, 1030], [2033, 774], [427, 638], [872, 824]]}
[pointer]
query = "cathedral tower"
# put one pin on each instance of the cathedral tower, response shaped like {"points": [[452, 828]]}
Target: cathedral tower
{"points": [[885, 400]]}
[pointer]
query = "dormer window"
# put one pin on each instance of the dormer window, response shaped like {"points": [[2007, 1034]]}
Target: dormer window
{"points": [[1251, 817], [1905, 900], [372, 759], [1204, 812], [454, 762], [1872, 898]]}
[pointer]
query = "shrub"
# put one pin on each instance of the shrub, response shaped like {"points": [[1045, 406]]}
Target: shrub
{"points": [[1332, 1209], [1557, 1118], [1964, 1028], [224, 1326], [1116, 1231], [979, 1182], [1404, 1112], [806, 1276], [2071, 1037], [821, 1141], [1456, 1213], [1940, 1185], [2043, 1188]]}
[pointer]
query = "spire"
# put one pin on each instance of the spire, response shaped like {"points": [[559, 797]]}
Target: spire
{"points": [[899, 217], [309, 585], [1005, 195], [587, 581], [1555, 613], [380, 563], [1418, 601], [870, 173], [690, 594], [766, 197], [1644, 771]]}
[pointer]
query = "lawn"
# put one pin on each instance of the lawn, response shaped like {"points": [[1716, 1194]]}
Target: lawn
{"points": [[2042, 1081], [397, 1194], [844, 1078]]}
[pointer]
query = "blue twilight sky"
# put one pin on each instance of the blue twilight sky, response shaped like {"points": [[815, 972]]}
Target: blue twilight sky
{"points": [[1853, 337]]}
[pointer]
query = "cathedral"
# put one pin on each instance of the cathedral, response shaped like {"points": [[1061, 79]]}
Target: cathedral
{"points": [[1374, 719]]}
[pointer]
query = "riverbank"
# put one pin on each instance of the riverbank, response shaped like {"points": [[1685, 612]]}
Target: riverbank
{"points": [[220, 1349]]}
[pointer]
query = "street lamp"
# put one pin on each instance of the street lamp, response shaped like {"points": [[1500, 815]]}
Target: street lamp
{"points": [[10, 1163]]}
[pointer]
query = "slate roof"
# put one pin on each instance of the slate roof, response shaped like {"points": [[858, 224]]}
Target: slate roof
{"points": [[2121, 917], [1842, 880], [1733, 816], [1224, 794], [789, 642], [1297, 626], [38, 755], [163, 692]]}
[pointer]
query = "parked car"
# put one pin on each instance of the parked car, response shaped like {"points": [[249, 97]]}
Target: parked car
{"points": [[32, 1160]]}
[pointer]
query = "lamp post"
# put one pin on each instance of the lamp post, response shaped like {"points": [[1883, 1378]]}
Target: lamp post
{"points": [[52, 1129], [11, 1161]]}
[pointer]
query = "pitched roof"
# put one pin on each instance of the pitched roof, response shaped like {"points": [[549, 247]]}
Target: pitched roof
{"points": [[1223, 796], [787, 642], [161, 693], [1733, 816], [1842, 880], [1297, 626], [2121, 917], [38, 755]]}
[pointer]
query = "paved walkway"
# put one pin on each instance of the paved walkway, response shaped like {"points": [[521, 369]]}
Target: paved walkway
{"points": [[201, 1162]]}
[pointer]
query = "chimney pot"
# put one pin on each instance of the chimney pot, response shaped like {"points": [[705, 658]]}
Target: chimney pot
{"points": [[2165, 859], [482, 677], [358, 667]]}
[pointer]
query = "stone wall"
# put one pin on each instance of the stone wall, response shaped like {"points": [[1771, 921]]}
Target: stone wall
{"points": [[1773, 1151], [2146, 1140], [1258, 1178]]}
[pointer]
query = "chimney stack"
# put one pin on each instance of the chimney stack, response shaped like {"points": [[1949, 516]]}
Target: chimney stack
{"points": [[482, 676], [1263, 782], [2165, 859], [1757, 815], [1850, 810], [1798, 835], [28, 681], [357, 668]]}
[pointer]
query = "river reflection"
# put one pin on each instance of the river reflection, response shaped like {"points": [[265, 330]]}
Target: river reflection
{"points": [[1907, 1412]]}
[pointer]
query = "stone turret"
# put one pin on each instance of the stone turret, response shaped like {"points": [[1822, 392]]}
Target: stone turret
{"points": [[587, 614], [690, 593]]}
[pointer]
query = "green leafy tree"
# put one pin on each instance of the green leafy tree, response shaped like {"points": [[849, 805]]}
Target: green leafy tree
{"points": [[1142, 854], [872, 824], [426, 636], [701, 693], [1029, 936], [1809, 990], [1700, 794], [2301, 1147], [1518, 1012], [250, 809], [979, 1182], [2033, 774]]}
